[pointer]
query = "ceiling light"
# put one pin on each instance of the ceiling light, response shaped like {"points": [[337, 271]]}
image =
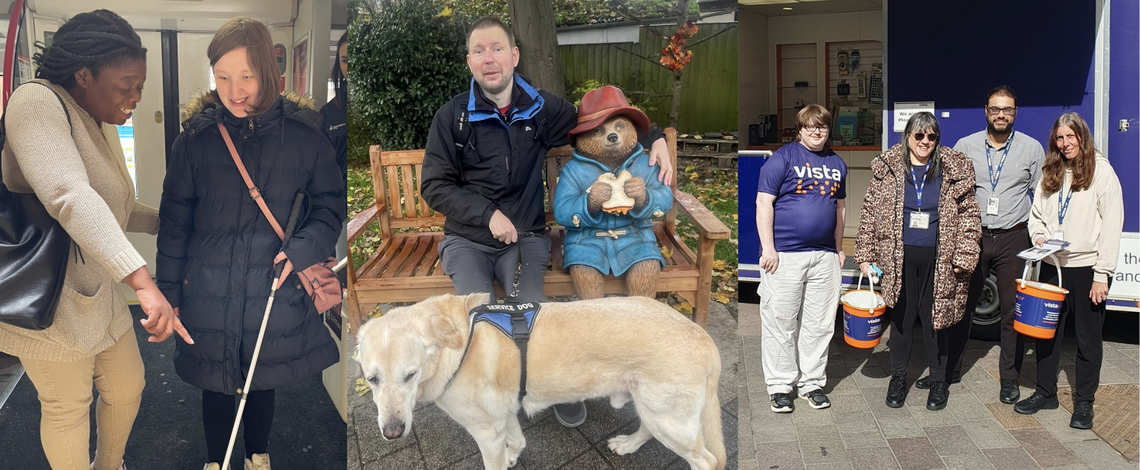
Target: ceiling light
{"points": [[787, 8]]}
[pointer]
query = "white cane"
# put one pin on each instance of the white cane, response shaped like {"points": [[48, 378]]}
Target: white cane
{"points": [[277, 269]]}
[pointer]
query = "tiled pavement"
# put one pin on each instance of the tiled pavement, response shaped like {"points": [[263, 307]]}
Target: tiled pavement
{"points": [[439, 443], [975, 431]]}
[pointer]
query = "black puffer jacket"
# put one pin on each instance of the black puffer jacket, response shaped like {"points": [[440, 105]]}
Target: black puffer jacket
{"points": [[216, 248]]}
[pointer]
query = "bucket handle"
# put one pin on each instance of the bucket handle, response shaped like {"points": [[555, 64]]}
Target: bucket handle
{"points": [[1025, 272], [870, 285]]}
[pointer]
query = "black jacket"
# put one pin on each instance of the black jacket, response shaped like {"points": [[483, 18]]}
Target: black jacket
{"points": [[216, 248], [501, 165], [336, 128]]}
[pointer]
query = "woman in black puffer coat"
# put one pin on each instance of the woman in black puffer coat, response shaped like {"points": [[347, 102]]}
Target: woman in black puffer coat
{"points": [[216, 249]]}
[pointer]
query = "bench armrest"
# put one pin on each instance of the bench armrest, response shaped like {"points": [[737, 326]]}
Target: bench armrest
{"points": [[707, 224], [360, 223]]}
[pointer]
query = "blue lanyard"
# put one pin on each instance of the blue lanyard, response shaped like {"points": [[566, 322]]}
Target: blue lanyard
{"points": [[995, 176], [1063, 207], [918, 187]]}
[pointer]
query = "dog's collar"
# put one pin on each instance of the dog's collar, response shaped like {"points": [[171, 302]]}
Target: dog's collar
{"points": [[512, 319]]}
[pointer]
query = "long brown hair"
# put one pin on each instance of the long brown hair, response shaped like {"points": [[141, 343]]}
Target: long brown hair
{"points": [[1053, 173], [254, 37]]}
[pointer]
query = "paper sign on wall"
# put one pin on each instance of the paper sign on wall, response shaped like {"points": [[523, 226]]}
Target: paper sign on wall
{"points": [[905, 109]]}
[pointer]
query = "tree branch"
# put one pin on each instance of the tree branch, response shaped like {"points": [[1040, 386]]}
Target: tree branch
{"points": [[690, 45], [647, 59]]}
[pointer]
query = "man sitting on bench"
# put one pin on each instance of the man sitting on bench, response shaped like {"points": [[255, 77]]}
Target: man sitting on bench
{"points": [[483, 170]]}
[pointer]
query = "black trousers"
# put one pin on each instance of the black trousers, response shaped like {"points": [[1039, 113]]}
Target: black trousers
{"points": [[999, 253], [1088, 320], [916, 304], [218, 413]]}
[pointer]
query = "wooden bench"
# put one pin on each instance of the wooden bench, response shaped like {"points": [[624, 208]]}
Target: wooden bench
{"points": [[406, 265]]}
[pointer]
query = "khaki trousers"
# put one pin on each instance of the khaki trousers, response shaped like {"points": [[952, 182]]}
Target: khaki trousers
{"points": [[65, 395]]}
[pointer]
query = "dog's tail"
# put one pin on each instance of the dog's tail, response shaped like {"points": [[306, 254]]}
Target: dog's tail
{"points": [[711, 425]]}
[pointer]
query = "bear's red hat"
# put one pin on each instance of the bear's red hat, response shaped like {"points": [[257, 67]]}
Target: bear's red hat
{"points": [[600, 104]]}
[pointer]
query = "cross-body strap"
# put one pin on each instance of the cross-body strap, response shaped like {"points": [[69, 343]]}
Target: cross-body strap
{"points": [[253, 191]]}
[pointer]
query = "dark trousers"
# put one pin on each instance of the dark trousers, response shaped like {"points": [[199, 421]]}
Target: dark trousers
{"points": [[1088, 319], [916, 304], [473, 266], [999, 253], [218, 413]]}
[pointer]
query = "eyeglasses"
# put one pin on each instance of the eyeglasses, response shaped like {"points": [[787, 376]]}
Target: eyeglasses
{"points": [[994, 110], [814, 129], [919, 136]]}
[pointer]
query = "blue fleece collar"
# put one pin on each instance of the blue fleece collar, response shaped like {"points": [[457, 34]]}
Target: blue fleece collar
{"points": [[519, 114]]}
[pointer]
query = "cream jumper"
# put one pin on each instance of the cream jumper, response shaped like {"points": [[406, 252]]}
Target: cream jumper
{"points": [[78, 172], [1093, 222]]}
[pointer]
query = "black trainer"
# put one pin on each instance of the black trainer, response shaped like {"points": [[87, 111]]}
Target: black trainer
{"points": [[924, 383], [1082, 415], [570, 415], [939, 394], [896, 391], [816, 399], [1009, 391], [782, 403], [1035, 402]]}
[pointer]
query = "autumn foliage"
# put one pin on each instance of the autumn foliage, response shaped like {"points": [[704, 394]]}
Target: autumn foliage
{"points": [[674, 56]]}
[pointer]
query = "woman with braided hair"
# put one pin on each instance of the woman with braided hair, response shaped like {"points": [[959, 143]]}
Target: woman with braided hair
{"points": [[62, 145]]}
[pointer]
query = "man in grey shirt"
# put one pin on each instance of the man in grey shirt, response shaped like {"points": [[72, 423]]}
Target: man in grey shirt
{"points": [[1007, 165]]}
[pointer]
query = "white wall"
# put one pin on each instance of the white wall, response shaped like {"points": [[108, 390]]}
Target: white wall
{"points": [[314, 18]]}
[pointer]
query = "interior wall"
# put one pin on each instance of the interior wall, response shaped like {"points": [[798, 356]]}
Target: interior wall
{"points": [[752, 73], [819, 29], [314, 19]]}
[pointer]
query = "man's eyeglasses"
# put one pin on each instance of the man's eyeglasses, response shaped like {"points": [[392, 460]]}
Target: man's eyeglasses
{"points": [[918, 136], [814, 129], [994, 111]]}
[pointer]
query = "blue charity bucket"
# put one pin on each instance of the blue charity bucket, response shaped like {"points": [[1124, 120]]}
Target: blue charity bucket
{"points": [[1038, 307], [863, 316]]}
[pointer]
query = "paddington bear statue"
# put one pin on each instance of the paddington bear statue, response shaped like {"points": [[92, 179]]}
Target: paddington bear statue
{"points": [[607, 196]]}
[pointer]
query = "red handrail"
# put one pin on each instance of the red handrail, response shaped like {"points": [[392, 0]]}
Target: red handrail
{"points": [[16, 15]]}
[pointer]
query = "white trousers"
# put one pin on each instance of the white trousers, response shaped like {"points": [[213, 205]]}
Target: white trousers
{"points": [[798, 304]]}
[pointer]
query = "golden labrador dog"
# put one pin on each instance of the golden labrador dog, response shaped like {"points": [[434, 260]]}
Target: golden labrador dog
{"points": [[624, 348]]}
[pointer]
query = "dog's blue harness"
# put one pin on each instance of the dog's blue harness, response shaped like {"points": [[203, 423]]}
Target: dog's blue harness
{"points": [[512, 319]]}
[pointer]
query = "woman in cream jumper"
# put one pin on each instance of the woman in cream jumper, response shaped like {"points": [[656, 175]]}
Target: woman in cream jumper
{"points": [[62, 145], [1077, 200]]}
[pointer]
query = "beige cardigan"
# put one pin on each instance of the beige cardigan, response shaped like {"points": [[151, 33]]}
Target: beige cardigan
{"points": [[78, 172]]}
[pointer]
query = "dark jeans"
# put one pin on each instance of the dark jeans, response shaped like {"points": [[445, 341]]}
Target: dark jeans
{"points": [[999, 253], [1088, 319], [218, 413], [916, 304], [473, 266]]}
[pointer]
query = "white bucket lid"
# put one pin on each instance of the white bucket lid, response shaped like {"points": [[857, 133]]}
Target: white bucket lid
{"points": [[863, 299], [1043, 286]]}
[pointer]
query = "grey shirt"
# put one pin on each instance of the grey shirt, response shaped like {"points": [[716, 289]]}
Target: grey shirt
{"points": [[1015, 181]]}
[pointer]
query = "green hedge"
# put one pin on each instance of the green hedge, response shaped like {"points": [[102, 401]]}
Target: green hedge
{"points": [[407, 61]]}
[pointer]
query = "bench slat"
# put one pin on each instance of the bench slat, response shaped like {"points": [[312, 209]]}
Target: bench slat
{"points": [[409, 191]]}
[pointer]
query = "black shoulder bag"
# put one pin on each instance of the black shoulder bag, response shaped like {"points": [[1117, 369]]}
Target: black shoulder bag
{"points": [[33, 256]]}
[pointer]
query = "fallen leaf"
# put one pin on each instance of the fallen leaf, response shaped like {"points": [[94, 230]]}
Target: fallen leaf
{"points": [[720, 297], [684, 308], [362, 387], [667, 252], [720, 265]]}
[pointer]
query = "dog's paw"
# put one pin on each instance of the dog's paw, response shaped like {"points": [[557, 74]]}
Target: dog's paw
{"points": [[623, 445]]}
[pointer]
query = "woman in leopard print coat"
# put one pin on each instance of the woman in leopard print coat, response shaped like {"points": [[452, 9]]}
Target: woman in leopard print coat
{"points": [[936, 295]]}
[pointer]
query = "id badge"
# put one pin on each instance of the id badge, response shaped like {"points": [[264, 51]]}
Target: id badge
{"points": [[920, 220], [1058, 235], [992, 206]]}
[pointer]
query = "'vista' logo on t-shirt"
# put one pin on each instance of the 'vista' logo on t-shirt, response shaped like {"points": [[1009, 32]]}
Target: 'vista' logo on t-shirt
{"points": [[821, 173]]}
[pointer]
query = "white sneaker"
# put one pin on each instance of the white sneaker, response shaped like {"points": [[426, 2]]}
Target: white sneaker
{"points": [[212, 466], [257, 462]]}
